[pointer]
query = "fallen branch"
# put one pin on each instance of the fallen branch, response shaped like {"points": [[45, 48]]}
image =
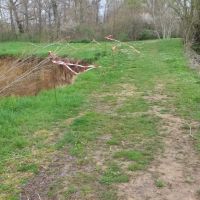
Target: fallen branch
{"points": [[110, 37], [191, 132], [190, 127], [39, 196]]}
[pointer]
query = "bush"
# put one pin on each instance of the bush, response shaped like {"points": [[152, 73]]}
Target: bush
{"points": [[124, 37], [80, 41], [196, 47], [147, 34]]}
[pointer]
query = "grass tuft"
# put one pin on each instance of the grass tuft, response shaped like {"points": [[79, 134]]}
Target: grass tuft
{"points": [[160, 183], [113, 175]]}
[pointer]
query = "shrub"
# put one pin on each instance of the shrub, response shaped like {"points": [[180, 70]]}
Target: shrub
{"points": [[147, 34]]}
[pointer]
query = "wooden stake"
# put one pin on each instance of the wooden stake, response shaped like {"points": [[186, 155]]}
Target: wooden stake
{"points": [[55, 92]]}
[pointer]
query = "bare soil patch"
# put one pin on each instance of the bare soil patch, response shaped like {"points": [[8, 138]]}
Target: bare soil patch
{"points": [[124, 91], [31, 75], [40, 185], [63, 172], [175, 173]]}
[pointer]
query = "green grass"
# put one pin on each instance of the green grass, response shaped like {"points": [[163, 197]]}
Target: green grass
{"points": [[70, 191], [83, 130], [27, 168], [32, 128], [140, 159], [130, 155], [134, 105], [114, 175], [138, 166], [160, 183], [109, 194], [90, 52]]}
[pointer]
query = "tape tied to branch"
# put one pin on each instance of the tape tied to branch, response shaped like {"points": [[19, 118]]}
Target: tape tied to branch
{"points": [[75, 68]]}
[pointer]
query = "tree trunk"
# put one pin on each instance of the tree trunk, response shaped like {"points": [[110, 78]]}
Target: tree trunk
{"points": [[56, 17], [39, 6], [25, 2], [18, 21], [12, 24]]}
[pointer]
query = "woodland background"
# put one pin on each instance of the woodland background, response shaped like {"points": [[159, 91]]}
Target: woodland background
{"points": [[83, 20]]}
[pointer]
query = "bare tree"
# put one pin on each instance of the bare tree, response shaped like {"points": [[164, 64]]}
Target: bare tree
{"points": [[13, 6], [86, 19], [56, 16], [185, 10], [163, 16]]}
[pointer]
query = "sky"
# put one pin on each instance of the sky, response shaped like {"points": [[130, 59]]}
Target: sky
{"points": [[102, 5]]}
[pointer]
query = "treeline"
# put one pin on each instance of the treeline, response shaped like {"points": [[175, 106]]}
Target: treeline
{"points": [[50, 20]]}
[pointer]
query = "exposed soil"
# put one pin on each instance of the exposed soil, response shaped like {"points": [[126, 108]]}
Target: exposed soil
{"points": [[124, 91], [39, 186], [29, 76], [62, 173], [175, 173]]}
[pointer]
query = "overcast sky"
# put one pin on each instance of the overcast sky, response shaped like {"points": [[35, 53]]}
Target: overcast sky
{"points": [[103, 2]]}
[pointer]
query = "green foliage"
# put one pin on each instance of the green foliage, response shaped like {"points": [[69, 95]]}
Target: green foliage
{"points": [[134, 105], [196, 47], [113, 175], [123, 37], [134, 3], [147, 34], [160, 183], [114, 141], [24, 167], [84, 31], [109, 194], [130, 155], [80, 41], [141, 160], [141, 165], [70, 191], [83, 130]]}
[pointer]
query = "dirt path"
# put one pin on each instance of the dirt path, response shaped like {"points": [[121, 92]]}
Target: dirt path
{"points": [[64, 169], [174, 174]]}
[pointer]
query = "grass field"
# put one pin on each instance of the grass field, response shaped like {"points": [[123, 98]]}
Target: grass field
{"points": [[103, 120]]}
